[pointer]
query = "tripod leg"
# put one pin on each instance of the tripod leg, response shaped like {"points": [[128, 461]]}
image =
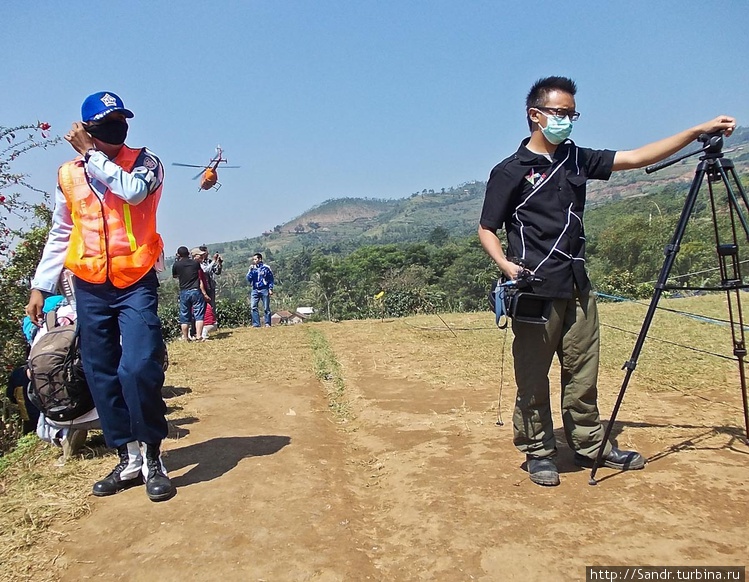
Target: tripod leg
{"points": [[730, 265], [739, 348], [732, 196], [671, 250], [731, 280]]}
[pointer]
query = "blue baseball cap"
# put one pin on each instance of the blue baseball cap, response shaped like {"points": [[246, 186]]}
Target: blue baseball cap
{"points": [[101, 104]]}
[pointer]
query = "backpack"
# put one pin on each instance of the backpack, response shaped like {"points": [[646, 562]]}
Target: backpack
{"points": [[58, 386]]}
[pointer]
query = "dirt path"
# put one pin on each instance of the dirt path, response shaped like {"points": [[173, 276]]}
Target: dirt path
{"points": [[419, 484]]}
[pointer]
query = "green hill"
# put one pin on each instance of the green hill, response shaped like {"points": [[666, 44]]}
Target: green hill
{"points": [[346, 223]]}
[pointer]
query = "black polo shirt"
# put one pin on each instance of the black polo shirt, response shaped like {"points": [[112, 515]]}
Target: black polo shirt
{"points": [[540, 204], [186, 270]]}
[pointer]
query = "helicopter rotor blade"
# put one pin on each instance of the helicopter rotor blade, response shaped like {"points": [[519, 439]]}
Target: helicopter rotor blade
{"points": [[198, 175], [187, 165]]}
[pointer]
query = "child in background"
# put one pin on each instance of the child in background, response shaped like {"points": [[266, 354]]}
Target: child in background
{"points": [[209, 321]]}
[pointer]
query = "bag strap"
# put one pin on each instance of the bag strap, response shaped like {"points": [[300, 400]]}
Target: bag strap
{"points": [[76, 343], [500, 308], [50, 319], [68, 363]]}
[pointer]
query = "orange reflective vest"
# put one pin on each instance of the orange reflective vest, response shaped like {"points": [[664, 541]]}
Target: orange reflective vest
{"points": [[111, 239]]}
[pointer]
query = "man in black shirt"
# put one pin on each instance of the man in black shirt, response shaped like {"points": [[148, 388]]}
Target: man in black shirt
{"points": [[538, 196], [191, 294]]}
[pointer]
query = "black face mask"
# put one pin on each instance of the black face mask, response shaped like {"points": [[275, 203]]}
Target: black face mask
{"points": [[112, 132]]}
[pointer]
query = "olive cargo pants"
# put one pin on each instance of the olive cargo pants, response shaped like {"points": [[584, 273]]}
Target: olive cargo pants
{"points": [[572, 333]]}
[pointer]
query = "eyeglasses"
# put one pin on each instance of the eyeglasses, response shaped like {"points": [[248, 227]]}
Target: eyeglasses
{"points": [[560, 112]]}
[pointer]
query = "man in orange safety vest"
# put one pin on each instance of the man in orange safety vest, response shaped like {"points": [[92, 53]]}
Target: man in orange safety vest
{"points": [[104, 231]]}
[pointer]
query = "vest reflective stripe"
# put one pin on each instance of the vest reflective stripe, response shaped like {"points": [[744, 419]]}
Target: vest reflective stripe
{"points": [[110, 238], [129, 226]]}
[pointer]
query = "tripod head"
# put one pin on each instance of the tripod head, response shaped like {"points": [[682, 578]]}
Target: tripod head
{"points": [[713, 142], [712, 149]]}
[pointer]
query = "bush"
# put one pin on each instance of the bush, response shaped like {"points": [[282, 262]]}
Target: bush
{"points": [[169, 315], [622, 283], [233, 312]]}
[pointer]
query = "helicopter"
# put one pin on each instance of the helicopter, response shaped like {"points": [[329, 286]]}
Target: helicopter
{"points": [[209, 174]]}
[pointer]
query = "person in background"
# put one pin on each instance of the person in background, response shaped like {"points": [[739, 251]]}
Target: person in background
{"points": [[538, 196], [17, 392], [209, 322], [260, 276], [191, 293], [212, 268], [209, 319], [69, 435], [104, 231]]}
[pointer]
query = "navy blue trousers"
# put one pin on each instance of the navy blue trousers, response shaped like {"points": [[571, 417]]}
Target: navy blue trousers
{"points": [[122, 351]]}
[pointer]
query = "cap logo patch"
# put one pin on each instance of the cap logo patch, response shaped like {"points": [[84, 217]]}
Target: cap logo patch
{"points": [[108, 100]]}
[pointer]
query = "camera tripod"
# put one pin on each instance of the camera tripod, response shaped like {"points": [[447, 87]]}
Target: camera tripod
{"points": [[717, 169]]}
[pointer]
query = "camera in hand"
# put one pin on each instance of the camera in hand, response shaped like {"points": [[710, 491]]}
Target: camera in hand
{"points": [[518, 301], [525, 279], [525, 305]]}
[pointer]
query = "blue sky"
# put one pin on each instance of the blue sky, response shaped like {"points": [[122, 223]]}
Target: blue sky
{"points": [[321, 99]]}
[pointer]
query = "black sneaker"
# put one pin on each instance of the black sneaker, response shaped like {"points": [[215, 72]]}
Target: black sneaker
{"points": [[542, 471], [616, 459], [126, 474]]}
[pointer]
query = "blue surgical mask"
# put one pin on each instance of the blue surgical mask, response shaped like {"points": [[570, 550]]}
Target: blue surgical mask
{"points": [[557, 129]]}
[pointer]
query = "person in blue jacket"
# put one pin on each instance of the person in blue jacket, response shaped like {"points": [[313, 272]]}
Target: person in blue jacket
{"points": [[260, 277]]}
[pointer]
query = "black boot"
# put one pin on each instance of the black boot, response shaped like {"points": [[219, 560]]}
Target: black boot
{"points": [[126, 474], [158, 485], [542, 471], [616, 459]]}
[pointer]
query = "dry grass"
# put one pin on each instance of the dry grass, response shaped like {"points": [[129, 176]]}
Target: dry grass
{"points": [[39, 500], [681, 352]]}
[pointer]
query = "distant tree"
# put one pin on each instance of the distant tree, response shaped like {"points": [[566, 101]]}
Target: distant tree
{"points": [[296, 270], [468, 275], [439, 236], [408, 291], [298, 229], [277, 228], [321, 290]]}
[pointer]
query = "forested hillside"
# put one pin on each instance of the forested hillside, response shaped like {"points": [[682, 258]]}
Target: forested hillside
{"points": [[352, 222], [423, 253]]}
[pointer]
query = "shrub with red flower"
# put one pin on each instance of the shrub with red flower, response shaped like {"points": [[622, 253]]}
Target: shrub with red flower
{"points": [[44, 127], [17, 196], [25, 216]]}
